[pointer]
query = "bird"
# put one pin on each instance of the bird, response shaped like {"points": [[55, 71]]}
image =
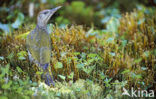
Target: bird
{"points": [[38, 44]]}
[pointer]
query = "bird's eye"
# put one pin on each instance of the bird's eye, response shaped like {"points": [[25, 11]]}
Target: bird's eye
{"points": [[45, 12]]}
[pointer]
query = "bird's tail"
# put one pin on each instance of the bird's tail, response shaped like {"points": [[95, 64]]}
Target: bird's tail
{"points": [[48, 77]]}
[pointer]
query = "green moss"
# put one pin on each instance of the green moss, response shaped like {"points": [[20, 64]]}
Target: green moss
{"points": [[125, 53]]}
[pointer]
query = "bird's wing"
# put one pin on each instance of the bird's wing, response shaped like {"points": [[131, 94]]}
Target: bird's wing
{"points": [[45, 48], [39, 45], [45, 54], [32, 47]]}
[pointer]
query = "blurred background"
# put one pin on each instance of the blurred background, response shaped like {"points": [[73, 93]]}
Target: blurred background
{"points": [[15, 13]]}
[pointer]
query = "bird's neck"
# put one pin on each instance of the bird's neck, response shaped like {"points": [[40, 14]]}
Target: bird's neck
{"points": [[41, 30], [41, 26]]}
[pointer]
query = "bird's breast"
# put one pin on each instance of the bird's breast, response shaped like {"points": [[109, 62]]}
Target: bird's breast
{"points": [[42, 38], [39, 45]]}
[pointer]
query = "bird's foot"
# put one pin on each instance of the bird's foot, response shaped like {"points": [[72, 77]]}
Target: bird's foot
{"points": [[48, 79], [46, 76]]}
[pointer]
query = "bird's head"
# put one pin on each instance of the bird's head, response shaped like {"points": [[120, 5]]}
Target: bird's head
{"points": [[44, 16]]}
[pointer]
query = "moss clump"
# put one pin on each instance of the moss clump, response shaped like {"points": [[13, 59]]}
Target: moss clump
{"points": [[80, 89]]}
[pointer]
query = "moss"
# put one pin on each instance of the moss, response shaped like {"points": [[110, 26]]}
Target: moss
{"points": [[125, 54]]}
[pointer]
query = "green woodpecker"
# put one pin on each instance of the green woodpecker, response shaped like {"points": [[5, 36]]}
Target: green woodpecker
{"points": [[39, 44]]}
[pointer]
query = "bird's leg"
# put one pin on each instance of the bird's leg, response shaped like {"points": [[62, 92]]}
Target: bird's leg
{"points": [[46, 76]]}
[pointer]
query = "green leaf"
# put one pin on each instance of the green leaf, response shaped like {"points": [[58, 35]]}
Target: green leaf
{"points": [[125, 71], [124, 42], [7, 86], [23, 36], [19, 69], [107, 82], [141, 21], [102, 76], [92, 55], [83, 55], [6, 69], [58, 94], [58, 65], [39, 72], [110, 40], [19, 20], [19, 90], [76, 53], [10, 56], [137, 60], [62, 77], [89, 61], [1, 58], [21, 58], [34, 84], [28, 92], [6, 28], [26, 97], [146, 53], [89, 69], [105, 20], [78, 89], [112, 25], [71, 75], [80, 65], [21, 55], [138, 76]]}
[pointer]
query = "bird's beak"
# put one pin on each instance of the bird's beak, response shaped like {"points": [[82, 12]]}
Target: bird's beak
{"points": [[55, 9], [52, 11]]}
